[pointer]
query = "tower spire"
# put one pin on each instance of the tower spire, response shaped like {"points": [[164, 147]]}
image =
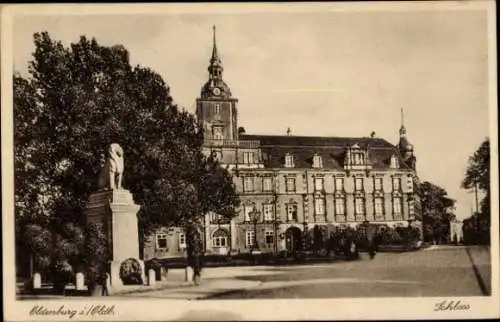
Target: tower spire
{"points": [[215, 86], [215, 54], [402, 129]]}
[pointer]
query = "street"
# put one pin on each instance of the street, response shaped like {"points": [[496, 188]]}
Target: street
{"points": [[438, 271]]}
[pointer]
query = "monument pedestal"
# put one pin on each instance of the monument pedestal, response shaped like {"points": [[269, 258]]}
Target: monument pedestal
{"points": [[117, 210]]}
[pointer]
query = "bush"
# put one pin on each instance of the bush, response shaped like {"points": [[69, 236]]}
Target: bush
{"points": [[62, 274], [131, 272]]}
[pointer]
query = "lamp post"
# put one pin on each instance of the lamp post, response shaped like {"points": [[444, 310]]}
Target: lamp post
{"points": [[254, 217], [306, 236]]}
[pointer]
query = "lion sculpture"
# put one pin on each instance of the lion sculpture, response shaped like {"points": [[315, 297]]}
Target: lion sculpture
{"points": [[112, 172]]}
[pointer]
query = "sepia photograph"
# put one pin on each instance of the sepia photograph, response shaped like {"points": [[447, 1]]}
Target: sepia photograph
{"points": [[250, 161]]}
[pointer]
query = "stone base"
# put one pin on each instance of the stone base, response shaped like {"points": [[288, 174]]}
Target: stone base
{"points": [[117, 210]]}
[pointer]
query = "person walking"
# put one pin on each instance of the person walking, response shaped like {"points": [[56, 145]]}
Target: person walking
{"points": [[104, 282]]}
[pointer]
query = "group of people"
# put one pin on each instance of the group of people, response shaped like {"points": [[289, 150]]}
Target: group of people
{"points": [[346, 241]]}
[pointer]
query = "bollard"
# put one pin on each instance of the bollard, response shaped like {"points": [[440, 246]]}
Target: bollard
{"points": [[151, 277], [80, 281], [37, 281], [189, 274], [108, 280], [163, 273]]}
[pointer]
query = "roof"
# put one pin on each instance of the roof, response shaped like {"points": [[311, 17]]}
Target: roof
{"points": [[331, 149], [292, 140]]}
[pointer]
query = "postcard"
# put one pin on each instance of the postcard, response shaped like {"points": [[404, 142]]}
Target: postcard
{"points": [[260, 161]]}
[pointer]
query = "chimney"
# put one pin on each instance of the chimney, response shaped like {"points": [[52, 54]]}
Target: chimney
{"points": [[372, 135]]}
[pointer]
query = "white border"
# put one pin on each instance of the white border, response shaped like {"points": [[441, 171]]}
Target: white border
{"points": [[296, 309]]}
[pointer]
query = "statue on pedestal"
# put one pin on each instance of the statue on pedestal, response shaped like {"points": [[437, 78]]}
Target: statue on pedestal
{"points": [[114, 207], [111, 174]]}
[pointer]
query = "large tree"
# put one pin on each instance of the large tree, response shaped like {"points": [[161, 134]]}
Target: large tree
{"points": [[437, 211], [477, 177], [76, 101]]}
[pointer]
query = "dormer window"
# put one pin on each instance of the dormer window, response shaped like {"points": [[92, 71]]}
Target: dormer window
{"points": [[289, 161], [358, 158], [394, 162], [317, 161]]}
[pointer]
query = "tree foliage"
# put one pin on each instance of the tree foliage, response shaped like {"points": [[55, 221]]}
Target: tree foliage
{"points": [[437, 211], [477, 176], [78, 100]]}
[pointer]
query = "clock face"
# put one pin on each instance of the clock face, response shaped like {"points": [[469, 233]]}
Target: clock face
{"points": [[216, 91]]}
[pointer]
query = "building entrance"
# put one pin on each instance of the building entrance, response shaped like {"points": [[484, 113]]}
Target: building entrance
{"points": [[293, 240]]}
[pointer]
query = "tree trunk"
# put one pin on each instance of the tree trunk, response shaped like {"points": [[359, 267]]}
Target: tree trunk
{"points": [[194, 250]]}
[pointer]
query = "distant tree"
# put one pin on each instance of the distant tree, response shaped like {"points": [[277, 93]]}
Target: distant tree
{"points": [[477, 176], [75, 103], [437, 212]]}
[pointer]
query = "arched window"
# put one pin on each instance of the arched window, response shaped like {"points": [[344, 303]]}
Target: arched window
{"points": [[220, 238]]}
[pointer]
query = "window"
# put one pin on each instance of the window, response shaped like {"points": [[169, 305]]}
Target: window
{"points": [[339, 206], [394, 162], [290, 184], [317, 161], [247, 210], [219, 239], [289, 161], [248, 157], [291, 212], [182, 240], [339, 184], [214, 217], [358, 183], [359, 158], [248, 184], [217, 155], [379, 206], [411, 208], [250, 238], [267, 209], [359, 204], [318, 184], [269, 237], [396, 184], [378, 184], [161, 241], [217, 109], [319, 206], [267, 184], [217, 133], [409, 182], [396, 205]]}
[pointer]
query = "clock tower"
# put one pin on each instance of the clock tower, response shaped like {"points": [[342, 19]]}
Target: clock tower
{"points": [[216, 108]]}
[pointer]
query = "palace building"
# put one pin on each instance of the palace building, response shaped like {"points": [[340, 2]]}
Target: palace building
{"points": [[292, 185]]}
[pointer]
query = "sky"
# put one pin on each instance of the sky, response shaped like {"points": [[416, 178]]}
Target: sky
{"points": [[320, 73]]}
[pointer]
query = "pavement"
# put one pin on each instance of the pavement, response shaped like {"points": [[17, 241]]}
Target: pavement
{"points": [[435, 271]]}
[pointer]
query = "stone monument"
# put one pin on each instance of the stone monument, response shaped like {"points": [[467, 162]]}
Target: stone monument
{"points": [[114, 207]]}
